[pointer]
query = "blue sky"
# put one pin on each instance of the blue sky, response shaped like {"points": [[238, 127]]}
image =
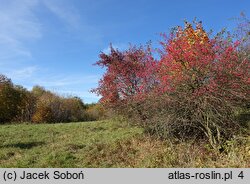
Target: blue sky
{"points": [[54, 43]]}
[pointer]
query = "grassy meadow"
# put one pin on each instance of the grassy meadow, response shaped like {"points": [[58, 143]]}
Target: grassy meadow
{"points": [[108, 144]]}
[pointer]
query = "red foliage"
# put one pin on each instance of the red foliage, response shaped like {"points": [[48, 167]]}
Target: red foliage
{"points": [[192, 60], [129, 74], [194, 89]]}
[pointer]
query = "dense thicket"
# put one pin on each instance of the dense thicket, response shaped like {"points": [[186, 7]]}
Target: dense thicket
{"points": [[197, 88]]}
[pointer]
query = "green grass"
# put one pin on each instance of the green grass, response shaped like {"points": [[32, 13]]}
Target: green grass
{"points": [[108, 144]]}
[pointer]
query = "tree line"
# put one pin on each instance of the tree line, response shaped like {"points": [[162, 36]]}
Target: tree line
{"points": [[39, 105]]}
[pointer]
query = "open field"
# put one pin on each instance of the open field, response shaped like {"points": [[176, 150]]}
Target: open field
{"points": [[108, 144]]}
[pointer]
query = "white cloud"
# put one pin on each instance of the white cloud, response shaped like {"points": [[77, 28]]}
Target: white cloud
{"points": [[65, 12], [78, 85], [23, 73], [70, 16], [18, 24], [65, 81]]}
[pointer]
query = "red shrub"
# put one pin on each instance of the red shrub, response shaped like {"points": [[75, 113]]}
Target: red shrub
{"points": [[129, 74], [195, 87]]}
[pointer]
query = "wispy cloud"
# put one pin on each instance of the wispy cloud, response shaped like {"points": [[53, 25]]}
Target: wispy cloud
{"points": [[77, 85], [71, 18], [22, 73], [21, 26], [66, 12], [65, 81], [18, 24]]}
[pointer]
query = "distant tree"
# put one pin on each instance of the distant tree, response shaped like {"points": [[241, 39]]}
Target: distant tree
{"points": [[95, 111], [76, 108], [39, 105], [51, 108], [5, 80], [38, 91], [9, 100], [26, 106]]}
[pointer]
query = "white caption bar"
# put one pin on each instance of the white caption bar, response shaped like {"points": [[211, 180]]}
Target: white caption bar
{"points": [[125, 176]]}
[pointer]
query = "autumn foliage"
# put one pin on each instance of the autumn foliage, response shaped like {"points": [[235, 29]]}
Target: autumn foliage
{"points": [[193, 90], [8, 98], [129, 74], [18, 105]]}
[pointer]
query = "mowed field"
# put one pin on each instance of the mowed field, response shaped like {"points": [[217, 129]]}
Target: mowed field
{"points": [[108, 144]]}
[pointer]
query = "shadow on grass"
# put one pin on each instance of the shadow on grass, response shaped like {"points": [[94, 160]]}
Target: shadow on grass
{"points": [[27, 145]]}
